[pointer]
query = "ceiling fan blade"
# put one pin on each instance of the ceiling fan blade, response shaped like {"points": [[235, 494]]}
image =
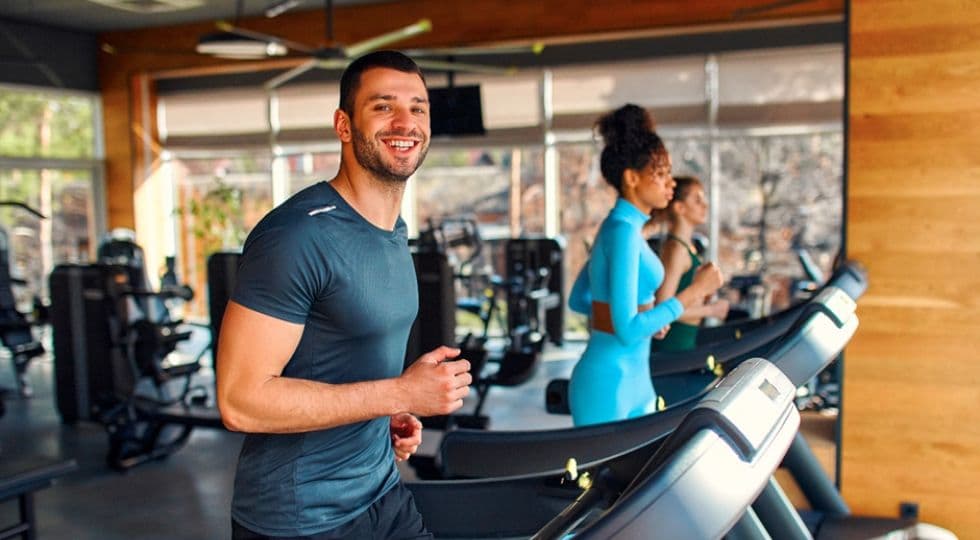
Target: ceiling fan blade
{"points": [[357, 49], [439, 65], [532, 48], [333, 63], [226, 26], [287, 76], [109, 48]]}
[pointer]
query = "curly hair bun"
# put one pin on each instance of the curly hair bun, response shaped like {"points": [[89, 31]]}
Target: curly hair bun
{"points": [[625, 125]]}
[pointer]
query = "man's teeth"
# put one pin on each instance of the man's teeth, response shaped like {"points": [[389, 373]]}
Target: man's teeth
{"points": [[402, 144]]}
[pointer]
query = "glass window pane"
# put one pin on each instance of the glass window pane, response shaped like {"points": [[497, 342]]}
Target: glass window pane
{"points": [[530, 209], [477, 183], [781, 199], [308, 168], [213, 112], [596, 88], [218, 200], [308, 105], [586, 198], [38, 124], [509, 101], [35, 246], [464, 181], [803, 74]]}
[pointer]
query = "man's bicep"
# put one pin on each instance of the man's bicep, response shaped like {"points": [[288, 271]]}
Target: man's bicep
{"points": [[253, 346]]}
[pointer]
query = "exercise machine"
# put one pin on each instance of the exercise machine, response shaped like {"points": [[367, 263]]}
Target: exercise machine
{"points": [[16, 327], [528, 300], [805, 350], [677, 375], [115, 357], [665, 486]]}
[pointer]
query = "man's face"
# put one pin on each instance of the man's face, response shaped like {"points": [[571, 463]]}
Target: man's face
{"points": [[390, 128]]}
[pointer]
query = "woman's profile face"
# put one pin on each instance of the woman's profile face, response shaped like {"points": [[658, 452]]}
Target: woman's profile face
{"points": [[656, 187], [694, 207]]}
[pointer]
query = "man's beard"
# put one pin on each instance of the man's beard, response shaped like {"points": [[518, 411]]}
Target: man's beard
{"points": [[369, 155]]}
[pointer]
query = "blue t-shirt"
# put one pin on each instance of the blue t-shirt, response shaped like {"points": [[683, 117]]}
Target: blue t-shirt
{"points": [[315, 261]]}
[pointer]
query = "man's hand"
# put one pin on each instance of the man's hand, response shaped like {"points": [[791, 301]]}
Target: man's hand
{"points": [[433, 385], [662, 333], [406, 435]]}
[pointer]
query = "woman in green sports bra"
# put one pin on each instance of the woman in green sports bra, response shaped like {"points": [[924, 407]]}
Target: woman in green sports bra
{"points": [[686, 211]]}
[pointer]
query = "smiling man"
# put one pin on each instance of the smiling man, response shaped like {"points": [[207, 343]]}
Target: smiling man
{"points": [[313, 340]]}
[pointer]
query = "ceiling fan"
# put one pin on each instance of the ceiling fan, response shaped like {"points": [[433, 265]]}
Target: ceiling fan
{"points": [[337, 56]]}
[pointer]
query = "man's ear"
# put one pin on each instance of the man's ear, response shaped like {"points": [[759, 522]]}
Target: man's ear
{"points": [[341, 126]]}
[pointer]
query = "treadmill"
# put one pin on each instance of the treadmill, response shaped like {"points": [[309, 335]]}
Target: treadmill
{"points": [[667, 486], [812, 343], [850, 277], [682, 374]]}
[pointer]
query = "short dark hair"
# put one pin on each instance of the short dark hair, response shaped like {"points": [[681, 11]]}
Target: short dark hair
{"points": [[631, 143], [350, 81]]}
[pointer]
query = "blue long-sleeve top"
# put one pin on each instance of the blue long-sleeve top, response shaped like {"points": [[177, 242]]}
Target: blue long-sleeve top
{"points": [[625, 273]]}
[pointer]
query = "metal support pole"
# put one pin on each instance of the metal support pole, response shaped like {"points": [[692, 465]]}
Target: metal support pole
{"points": [[778, 515], [813, 481]]}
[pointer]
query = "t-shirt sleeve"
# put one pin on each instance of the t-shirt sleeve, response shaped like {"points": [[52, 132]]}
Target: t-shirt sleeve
{"points": [[279, 275]]}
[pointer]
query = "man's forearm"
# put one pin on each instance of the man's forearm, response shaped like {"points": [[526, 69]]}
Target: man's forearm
{"points": [[288, 405]]}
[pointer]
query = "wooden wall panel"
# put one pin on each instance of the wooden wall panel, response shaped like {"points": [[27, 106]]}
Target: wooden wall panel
{"points": [[914, 219]]}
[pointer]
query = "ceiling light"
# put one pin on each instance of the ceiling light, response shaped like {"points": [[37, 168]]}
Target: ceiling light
{"points": [[150, 6], [229, 45], [280, 7]]}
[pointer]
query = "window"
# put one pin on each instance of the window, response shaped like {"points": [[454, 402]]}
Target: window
{"points": [[47, 162], [307, 168], [35, 124], [218, 201], [781, 201], [773, 152]]}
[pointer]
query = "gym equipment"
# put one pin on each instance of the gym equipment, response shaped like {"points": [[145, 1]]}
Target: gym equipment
{"points": [[20, 482], [677, 375], [667, 484], [812, 343], [15, 327], [534, 311], [851, 277], [115, 361], [222, 275]]}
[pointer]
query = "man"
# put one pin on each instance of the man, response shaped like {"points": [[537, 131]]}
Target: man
{"points": [[313, 340]]}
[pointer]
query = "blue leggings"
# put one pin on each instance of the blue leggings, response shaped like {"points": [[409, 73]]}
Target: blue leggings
{"points": [[611, 382]]}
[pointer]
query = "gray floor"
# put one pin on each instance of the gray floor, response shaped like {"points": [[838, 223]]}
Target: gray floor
{"points": [[187, 495]]}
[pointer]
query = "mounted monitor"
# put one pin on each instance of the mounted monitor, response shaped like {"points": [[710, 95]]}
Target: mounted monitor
{"points": [[456, 111]]}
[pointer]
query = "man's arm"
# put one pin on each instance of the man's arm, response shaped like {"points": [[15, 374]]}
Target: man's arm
{"points": [[254, 397]]}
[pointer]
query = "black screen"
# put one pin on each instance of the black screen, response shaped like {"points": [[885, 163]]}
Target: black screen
{"points": [[456, 110]]}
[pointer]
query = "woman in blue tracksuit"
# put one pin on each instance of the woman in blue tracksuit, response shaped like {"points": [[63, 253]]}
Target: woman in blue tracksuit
{"points": [[616, 286]]}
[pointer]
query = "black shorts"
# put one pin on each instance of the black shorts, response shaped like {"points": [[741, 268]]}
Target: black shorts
{"points": [[393, 516]]}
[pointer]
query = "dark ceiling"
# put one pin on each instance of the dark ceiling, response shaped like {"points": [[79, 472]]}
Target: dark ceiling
{"points": [[94, 16]]}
